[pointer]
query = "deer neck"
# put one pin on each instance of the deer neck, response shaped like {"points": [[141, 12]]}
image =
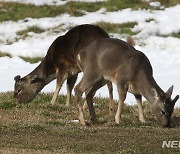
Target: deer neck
{"points": [[44, 71], [151, 90]]}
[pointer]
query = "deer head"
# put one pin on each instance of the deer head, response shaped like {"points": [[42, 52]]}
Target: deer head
{"points": [[164, 106], [27, 88]]}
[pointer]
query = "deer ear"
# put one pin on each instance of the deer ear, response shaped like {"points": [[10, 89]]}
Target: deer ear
{"points": [[17, 78], [169, 92], [36, 78], [175, 99]]}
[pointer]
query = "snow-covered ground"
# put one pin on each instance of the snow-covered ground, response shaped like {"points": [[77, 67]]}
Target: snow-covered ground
{"points": [[163, 52]]}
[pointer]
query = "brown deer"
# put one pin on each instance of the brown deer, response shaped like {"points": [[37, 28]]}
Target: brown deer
{"points": [[59, 63], [116, 61]]}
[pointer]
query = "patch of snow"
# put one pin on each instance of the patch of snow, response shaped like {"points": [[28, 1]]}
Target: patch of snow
{"points": [[155, 4], [74, 121]]}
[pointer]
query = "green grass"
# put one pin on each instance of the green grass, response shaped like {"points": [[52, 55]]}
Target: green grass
{"points": [[169, 3], [17, 11], [5, 54], [24, 33], [32, 60], [177, 35], [38, 127], [124, 28], [27, 59]]}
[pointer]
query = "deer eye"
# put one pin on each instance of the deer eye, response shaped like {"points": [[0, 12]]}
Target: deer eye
{"points": [[162, 112]]}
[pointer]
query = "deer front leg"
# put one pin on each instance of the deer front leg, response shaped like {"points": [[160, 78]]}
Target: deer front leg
{"points": [[140, 109], [78, 95], [122, 96], [111, 102], [60, 80], [58, 87], [70, 84]]}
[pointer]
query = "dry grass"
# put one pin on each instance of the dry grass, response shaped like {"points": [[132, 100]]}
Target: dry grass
{"points": [[38, 127]]}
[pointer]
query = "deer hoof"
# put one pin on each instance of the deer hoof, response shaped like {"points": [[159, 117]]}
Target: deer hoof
{"points": [[53, 103], [117, 120], [142, 121]]}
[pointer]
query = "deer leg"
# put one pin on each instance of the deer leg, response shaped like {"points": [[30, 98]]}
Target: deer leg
{"points": [[70, 84], [58, 87], [140, 109], [60, 80], [85, 106], [89, 103], [89, 98], [86, 83], [111, 102], [122, 96], [78, 100]]}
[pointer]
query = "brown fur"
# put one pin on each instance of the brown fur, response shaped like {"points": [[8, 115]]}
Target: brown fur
{"points": [[116, 61], [59, 63]]}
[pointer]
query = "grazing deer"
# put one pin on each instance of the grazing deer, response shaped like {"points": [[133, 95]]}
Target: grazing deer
{"points": [[118, 62], [59, 63]]}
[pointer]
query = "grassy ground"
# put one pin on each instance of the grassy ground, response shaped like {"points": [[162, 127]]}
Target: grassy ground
{"points": [[16, 11], [38, 127]]}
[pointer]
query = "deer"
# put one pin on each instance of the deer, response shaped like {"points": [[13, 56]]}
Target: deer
{"points": [[60, 63], [113, 60]]}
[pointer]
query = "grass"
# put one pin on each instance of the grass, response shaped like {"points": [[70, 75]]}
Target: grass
{"points": [[177, 35], [17, 11], [38, 127], [34, 29], [27, 59], [32, 60], [169, 3], [124, 28], [5, 54]]}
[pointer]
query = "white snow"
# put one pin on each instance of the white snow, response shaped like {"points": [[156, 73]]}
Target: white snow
{"points": [[163, 22], [155, 4], [163, 52]]}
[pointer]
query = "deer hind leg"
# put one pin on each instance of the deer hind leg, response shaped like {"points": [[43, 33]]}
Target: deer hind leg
{"points": [[122, 91], [83, 86], [140, 109], [61, 77], [70, 84], [111, 102], [89, 98]]}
